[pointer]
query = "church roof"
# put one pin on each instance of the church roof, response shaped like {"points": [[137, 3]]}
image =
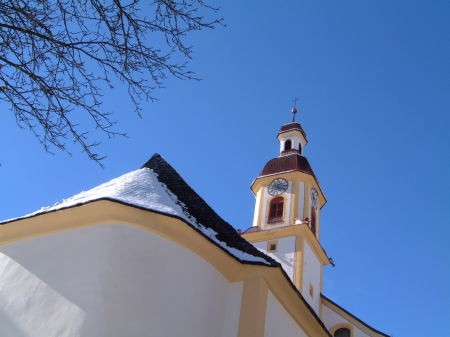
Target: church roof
{"points": [[353, 316], [292, 126], [157, 187], [291, 162], [196, 207]]}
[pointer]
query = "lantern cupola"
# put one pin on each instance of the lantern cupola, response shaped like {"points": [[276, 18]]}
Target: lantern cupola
{"points": [[292, 139]]}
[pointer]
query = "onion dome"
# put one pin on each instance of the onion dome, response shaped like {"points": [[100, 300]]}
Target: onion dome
{"points": [[292, 162]]}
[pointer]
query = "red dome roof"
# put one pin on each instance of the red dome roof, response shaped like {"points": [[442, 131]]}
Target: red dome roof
{"points": [[292, 162]]}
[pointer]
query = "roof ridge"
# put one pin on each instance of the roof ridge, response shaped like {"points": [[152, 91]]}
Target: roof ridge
{"points": [[199, 209], [349, 313]]}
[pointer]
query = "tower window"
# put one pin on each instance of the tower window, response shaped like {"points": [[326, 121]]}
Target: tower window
{"points": [[288, 145], [313, 220], [276, 210], [300, 148], [342, 332], [272, 246]]}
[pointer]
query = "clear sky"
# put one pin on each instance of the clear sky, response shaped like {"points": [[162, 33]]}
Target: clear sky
{"points": [[373, 79]]}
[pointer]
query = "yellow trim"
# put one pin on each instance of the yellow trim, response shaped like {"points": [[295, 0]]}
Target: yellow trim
{"points": [[353, 322], [298, 263], [105, 211], [288, 297], [342, 325], [270, 243], [253, 308], [295, 191], [307, 210], [316, 224], [291, 230], [175, 230]]}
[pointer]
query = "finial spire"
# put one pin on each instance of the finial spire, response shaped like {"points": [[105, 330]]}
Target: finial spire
{"points": [[294, 109]]}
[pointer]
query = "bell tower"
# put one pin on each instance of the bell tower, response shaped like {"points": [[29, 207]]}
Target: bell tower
{"points": [[286, 222]]}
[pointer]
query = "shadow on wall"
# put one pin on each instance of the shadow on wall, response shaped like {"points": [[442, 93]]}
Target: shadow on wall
{"points": [[30, 308], [285, 259]]}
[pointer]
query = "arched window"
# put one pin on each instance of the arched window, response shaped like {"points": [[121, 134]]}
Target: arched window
{"points": [[276, 209], [342, 332], [288, 145], [313, 220], [300, 148]]}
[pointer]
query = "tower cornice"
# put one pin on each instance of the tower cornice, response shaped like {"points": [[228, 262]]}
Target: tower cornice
{"points": [[264, 180], [301, 230]]}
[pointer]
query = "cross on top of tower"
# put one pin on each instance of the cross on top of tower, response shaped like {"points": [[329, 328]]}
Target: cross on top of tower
{"points": [[294, 109]]}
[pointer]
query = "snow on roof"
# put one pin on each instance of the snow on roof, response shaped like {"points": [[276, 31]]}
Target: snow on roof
{"points": [[143, 188], [138, 188]]}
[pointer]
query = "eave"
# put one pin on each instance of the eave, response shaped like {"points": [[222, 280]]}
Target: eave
{"points": [[360, 324], [176, 229]]}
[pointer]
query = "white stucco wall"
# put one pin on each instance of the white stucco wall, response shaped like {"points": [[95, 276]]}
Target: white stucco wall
{"points": [[285, 253], [259, 195], [279, 322], [311, 276], [330, 318], [295, 142], [112, 280]]}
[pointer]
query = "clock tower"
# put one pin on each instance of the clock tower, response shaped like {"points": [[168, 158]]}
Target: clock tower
{"points": [[286, 223]]}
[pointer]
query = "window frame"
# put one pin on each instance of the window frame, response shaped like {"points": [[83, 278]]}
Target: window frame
{"points": [[270, 243], [271, 220]]}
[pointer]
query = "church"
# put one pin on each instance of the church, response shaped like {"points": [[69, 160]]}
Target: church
{"points": [[145, 255]]}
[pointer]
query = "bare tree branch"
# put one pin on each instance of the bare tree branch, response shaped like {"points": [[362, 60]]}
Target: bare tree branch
{"points": [[55, 56]]}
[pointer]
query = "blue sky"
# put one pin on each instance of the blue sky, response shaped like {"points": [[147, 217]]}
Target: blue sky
{"points": [[373, 79]]}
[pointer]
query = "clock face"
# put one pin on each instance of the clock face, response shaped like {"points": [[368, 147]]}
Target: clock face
{"points": [[278, 186], [314, 197]]}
